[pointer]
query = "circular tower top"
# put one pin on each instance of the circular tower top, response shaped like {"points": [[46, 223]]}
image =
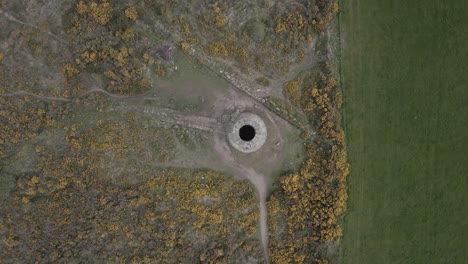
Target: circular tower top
{"points": [[248, 133]]}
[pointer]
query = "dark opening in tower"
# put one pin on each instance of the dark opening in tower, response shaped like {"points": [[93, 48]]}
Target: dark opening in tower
{"points": [[247, 132]]}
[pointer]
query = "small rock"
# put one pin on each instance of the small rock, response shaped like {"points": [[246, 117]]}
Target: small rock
{"points": [[166, 52]]}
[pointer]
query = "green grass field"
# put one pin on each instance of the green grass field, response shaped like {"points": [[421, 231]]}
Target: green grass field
{"points": [[405, 77]]}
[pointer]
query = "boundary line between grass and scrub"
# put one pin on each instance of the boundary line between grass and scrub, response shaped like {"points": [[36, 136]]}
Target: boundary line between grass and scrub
{"points": [[343, 114], [340, 67]]}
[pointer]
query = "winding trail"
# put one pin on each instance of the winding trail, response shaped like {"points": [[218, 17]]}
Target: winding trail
{"points": [[13, 19], [70, 99], [257, 180]]}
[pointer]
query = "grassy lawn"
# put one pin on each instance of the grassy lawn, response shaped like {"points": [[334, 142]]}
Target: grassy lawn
{"points": [[405, 76]]}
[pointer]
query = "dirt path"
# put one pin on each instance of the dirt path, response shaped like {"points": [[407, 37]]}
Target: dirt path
{"points": [[43, 98], [13, 19], [70, 99], [257, 180]]}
